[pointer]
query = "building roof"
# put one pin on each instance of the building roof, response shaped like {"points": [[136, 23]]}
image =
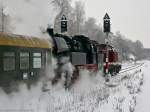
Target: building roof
{"points": [[23, 41]]}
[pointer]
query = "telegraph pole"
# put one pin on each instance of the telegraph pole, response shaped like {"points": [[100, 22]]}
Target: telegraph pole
{"points": [[2, 11], [107, 31]]}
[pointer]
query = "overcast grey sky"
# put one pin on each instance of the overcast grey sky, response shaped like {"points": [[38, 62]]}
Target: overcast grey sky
{"points": [[130, 17]]}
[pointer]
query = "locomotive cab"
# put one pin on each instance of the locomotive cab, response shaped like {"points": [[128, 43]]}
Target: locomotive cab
{"points": [[84, 46]]}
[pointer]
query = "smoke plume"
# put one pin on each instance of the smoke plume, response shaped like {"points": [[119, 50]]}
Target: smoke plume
{"points": [[30, 17]]}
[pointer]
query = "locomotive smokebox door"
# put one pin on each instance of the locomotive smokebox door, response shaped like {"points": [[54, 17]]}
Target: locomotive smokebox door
{"points": [[63, 24], [106, 23]]}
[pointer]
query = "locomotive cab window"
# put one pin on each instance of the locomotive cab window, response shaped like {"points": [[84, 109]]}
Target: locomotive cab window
{"points": [[24, 60], [37, 61], [9, 61], [77, 45]]}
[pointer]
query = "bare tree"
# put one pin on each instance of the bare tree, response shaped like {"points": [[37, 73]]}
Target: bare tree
{"points": [[93, 31], [127, 47], [75, 16], [139, 50], [79, 16], [65, 8]]}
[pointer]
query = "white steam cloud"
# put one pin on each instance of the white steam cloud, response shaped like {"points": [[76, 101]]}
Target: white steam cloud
{"points": [[29, 17]]}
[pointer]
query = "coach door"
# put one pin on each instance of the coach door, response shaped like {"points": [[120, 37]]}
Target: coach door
{"points": [[48, 57]]}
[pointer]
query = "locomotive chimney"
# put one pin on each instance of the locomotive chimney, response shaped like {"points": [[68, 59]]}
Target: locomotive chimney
{"points": [[50, 31]]}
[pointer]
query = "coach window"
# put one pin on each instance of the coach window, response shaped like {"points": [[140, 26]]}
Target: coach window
{"points": [[9, 61], [24, 60], [37, 61]]}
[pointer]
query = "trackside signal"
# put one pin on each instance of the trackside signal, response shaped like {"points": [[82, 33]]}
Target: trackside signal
{"points": [[106, 23], [63, 24]]}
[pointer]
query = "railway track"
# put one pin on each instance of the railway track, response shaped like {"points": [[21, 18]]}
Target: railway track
{"points": [[131, 68], [118, 78], [131, 65]]}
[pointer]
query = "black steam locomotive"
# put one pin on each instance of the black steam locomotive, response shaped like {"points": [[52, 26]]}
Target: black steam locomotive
{"points": [[84, 53]]}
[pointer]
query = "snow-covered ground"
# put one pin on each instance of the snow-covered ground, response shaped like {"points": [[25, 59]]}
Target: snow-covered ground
{"points": [[127, 92], [144, 96]]}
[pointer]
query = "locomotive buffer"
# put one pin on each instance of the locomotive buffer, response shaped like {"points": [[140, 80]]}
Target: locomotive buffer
{"points": [[106, 27]]}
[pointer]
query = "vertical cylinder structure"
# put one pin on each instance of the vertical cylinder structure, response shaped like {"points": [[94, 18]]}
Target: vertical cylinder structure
{"points": [[107, 55]]}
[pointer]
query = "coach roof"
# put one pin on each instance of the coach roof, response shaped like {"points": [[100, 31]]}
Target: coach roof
{"points": [[23, 41]]}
